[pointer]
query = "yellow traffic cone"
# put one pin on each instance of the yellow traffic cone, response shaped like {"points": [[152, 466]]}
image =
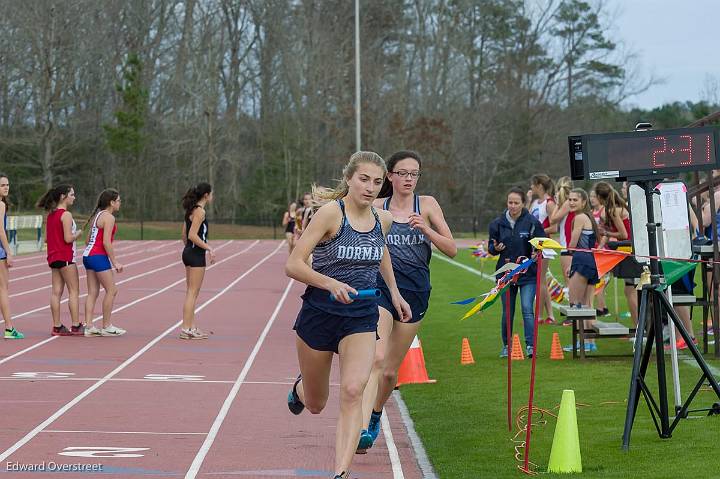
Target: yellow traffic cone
{"points": [[565, 452]]}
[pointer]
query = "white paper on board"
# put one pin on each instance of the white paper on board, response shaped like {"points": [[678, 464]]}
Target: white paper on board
{"points": [[673, 201]]}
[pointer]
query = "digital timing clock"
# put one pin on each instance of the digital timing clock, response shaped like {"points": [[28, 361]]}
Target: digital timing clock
{"points": [[643, 154]]}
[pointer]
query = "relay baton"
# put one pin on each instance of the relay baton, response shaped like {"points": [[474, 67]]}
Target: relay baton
{"points": [[362, 294]]}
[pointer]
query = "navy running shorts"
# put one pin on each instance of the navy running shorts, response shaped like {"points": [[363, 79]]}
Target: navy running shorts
{"points": [[323, 331], [418, 301]]}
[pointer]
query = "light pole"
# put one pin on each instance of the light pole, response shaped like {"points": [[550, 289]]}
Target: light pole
{"points": [[357, 74]]}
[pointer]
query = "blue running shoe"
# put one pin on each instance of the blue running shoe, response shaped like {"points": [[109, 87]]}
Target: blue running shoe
{"points": [[294, 404], [503, 353], [374, 426], [365, 442]]}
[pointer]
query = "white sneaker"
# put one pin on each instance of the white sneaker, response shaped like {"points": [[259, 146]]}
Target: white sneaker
{"points": [[112, 331], [92, 331], [194, 333]]}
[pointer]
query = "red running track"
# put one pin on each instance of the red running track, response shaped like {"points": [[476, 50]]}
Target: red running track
{"points": [[150, 404]]}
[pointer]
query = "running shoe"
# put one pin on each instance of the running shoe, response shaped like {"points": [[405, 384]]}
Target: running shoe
{"points": [[680, 344], [503, 352], [112, 331], [550, 321], [589, 347], [374, 426], [61, 331], [342, 475], [200, 334], [92, 332], [77, 330], [294, 404], [13, 334], [194, 333], [365, 442], [529, 351]]}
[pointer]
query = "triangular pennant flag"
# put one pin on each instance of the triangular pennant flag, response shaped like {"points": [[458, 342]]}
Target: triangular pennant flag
{"points": [[545, 243], [549, 253], [464, 301], [674, 270], [505, 267], [605, 260]]}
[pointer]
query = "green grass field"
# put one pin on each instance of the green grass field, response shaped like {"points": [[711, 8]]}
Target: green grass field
{"points": [[462, 419]]}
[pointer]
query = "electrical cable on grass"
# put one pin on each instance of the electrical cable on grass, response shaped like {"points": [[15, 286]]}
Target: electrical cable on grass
{"points": [[518, 439], [521, 425]]}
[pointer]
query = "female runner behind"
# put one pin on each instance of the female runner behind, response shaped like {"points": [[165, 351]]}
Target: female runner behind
{"points": [[288, 222], [597, 212], [6, 262], [418, 222], [99, 261], [195, 238], [347, 240], [60, 235], [561, 219], [543, 189], [615, 226], [583, 271]]}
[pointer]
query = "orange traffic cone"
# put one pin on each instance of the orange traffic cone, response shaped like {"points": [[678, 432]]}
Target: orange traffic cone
{"points": [[412, 370], [556, 350], [466, 356], [517, 352]]}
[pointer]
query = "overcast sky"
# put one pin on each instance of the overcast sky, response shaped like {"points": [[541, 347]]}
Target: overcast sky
{"points": [[677, 40]]}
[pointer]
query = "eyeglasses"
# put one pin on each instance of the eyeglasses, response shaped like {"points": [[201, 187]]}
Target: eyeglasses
{"points": [[403, 174]]}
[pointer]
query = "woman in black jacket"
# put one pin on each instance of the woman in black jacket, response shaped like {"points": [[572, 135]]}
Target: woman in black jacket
{"points": [[510, 236]]}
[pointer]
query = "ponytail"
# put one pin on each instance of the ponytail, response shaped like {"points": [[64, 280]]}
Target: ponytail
{"points": [[49, 201], [610, 199], [193, 195], [563, 186], [104, 199], [546, 182]]}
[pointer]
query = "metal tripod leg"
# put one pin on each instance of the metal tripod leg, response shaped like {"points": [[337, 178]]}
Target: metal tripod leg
{"points": [[658, 309], [634, 394], [707, 374]]}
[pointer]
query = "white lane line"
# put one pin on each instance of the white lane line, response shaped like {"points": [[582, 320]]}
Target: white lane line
{"points": [[690, 360], [32, 311], [29, 257], [144, 380], [392, 448], [212, 434], [426, 467], [139, 380], [50, 431], [78, 261], [51, 338], [40, 427], [44, 263], [488, 277], [465, 267], [149, 258]]}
